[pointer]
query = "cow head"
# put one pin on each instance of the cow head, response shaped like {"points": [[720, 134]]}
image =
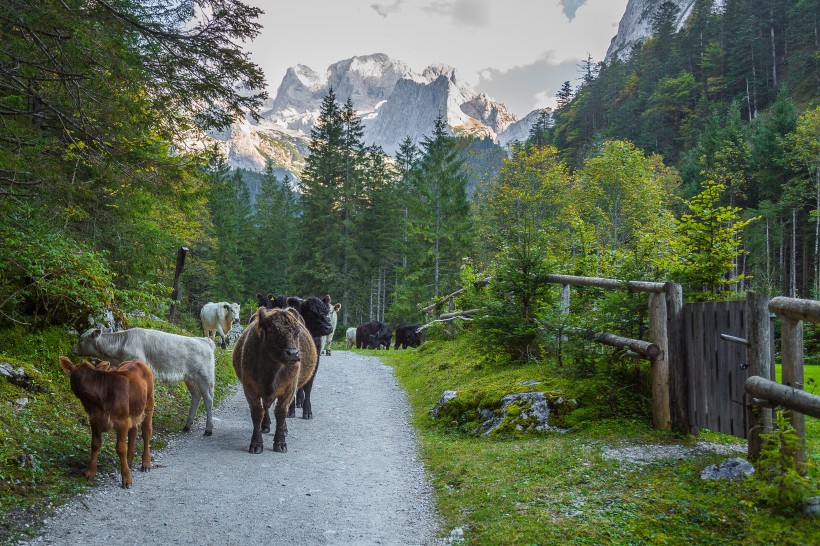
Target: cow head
{"points": [[315, 312], [232, 311], [280, 328], [262, 301], [88, 343]]}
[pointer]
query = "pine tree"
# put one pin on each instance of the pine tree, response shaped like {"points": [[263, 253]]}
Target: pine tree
{"points": [[564, 95], [321, 248], [539, 130], [274, 232], [229, 204], [440, 215]]}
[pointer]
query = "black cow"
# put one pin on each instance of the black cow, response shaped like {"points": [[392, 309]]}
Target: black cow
{"points": [[406, 334], [365, 332], [316, 314], [272, 302], [381, 338]]}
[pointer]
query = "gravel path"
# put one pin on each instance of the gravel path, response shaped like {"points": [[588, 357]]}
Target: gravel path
{"points": [[351, 476]]}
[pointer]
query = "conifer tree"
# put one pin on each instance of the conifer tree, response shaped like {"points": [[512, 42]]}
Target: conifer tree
{"points": [[274, 235], [440, 214]]}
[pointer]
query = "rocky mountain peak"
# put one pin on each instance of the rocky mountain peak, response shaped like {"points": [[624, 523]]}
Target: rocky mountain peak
{"points": [[636, 23]]}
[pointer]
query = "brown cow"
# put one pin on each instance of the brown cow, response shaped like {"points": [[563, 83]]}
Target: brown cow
{"points": [[122, 399], [274, 356]]}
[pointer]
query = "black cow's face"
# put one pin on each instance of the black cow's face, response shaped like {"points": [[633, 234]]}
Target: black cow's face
{"points": [[316, 314]]}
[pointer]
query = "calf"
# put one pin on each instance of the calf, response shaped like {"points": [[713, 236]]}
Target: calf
{"points": [[334, 318], [274, 356], [172, 358], [122, 399], [350, 337], [218, 318], [407, 334]]}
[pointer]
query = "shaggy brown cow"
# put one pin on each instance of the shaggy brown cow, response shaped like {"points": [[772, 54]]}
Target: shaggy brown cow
{"points": [[122, 399], [274, 356]]}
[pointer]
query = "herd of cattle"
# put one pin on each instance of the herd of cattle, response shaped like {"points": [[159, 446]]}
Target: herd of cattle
{"points": [[276, 358]]}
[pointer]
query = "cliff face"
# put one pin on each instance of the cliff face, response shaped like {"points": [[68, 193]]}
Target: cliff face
{"points": [[392, 101], [636, 24]]}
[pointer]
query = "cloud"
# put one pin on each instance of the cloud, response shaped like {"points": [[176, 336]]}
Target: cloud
{"points": [[528, 87], [570, 7], [474, 13], [387, 9]]}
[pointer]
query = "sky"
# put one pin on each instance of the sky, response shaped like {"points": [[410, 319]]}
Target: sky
{"points": [[518, 52]]}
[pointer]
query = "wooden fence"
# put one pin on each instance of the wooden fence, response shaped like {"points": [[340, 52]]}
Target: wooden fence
{"points": [[713, 394], [669, 398]]}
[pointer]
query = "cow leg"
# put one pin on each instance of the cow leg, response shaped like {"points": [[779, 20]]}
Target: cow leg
{"points": [[122, 451], [147, 432], [300, 398], [266, 422], [132, 444], [207, 391], [221, 336], [196, 396], [257, 412], [279, 412], [96, 444]]}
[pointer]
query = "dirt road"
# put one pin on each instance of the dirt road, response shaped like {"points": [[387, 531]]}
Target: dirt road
{"points": [[351, 476]]}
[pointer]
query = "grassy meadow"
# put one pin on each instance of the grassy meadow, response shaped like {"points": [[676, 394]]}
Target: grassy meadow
{"points": [[561, 488]]}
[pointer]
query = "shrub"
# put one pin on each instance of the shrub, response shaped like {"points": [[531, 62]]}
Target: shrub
{"points": [[47, 274]]}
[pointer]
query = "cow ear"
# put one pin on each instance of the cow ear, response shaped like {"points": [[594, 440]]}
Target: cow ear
{"points": [[96, 333], [261, 318], [296, 314], [67, 365], [293, 301], [338, 307], [326, 299], [103, 366], [226, 307]]}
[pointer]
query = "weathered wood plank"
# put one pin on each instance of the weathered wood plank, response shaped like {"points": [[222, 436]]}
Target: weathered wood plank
{"points": [[661, 418], [796, 309], [791, 331], [783, 395], [617, 284], [758, 353], [676, 357]]}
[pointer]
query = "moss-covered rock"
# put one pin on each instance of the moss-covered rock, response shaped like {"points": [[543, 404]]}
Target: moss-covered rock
{"points": [[515, 413]]}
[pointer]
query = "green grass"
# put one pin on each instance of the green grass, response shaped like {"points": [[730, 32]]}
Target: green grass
{"points": [[558, 488], [52, 426]]}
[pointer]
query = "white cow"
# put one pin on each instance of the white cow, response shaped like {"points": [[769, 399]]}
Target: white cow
{"points": [[334, 318], [172, 358], [350, 337], [217, 318]]}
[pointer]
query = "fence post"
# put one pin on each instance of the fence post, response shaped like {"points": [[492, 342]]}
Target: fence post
{"points": [[792, 360], [678, 380], [758, 353], [661, 418]]}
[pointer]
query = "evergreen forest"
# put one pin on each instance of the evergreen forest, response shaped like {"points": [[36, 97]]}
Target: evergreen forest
{"points": [[695, 159]]}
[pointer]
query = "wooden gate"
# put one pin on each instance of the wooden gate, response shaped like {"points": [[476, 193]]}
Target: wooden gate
{"points": [[716, 367]]}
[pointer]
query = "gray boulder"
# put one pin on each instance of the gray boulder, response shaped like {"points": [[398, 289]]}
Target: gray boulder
{"points": [[731, 469]]}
